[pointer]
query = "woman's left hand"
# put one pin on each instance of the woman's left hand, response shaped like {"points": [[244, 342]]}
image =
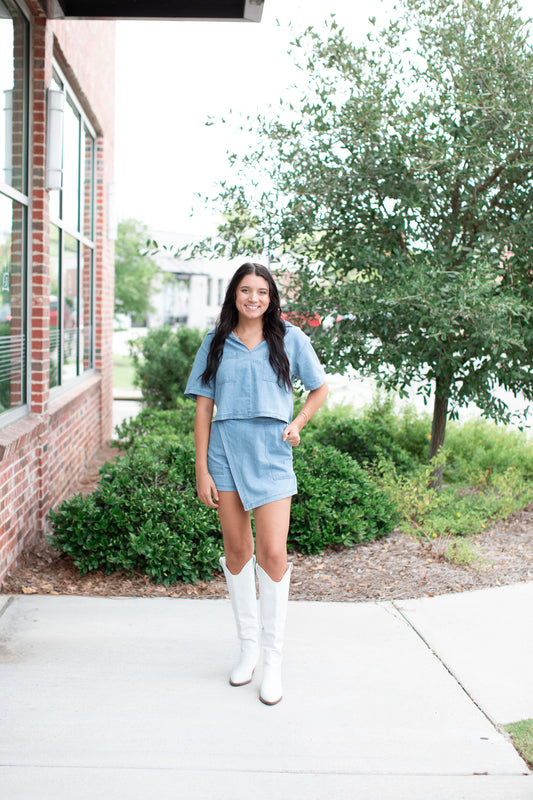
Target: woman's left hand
{"points": [[292, 434]]}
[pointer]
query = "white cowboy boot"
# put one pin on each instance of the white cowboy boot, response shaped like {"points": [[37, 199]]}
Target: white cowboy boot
{"points": [[273, 599], [244, 603]]}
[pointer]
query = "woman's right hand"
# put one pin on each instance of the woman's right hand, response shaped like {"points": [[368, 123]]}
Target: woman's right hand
{"points": [[206, 490]]}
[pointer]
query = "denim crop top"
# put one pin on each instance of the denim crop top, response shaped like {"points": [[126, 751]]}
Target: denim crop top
{"points": [[246, 386]]}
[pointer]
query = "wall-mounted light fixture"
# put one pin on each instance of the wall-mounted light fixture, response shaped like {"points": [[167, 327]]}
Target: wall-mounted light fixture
{"points": [[253, 10], [54, 139]]}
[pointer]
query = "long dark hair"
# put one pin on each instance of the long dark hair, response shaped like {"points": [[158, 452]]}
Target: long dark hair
{"points": [[273, 327]]}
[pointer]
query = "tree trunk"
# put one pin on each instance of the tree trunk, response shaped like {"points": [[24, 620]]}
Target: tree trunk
{"points": [[438, 427]]}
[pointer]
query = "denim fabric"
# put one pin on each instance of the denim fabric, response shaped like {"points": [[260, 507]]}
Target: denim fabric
{"points": [[246, 386], [249, 456]]}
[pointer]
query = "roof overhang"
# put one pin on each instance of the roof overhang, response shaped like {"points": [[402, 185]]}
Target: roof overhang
{"points": [[246, 10]]}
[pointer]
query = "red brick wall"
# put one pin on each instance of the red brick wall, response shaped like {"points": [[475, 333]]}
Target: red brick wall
{"points": [[73, 415], [44, 454], [20, 481], [42, 46]]}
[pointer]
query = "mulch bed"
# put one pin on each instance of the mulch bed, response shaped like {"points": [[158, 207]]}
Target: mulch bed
{"points": [[393, 568]]}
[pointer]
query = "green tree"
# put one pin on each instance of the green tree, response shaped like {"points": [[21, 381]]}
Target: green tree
{"points": [[400, 180], [134, 270]]}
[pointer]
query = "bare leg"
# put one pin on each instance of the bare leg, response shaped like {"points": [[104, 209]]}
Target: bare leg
{"points": [[271, 529], [236, 531]]}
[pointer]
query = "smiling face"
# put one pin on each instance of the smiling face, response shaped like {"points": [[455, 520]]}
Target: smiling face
{"points": [[252, 297]]}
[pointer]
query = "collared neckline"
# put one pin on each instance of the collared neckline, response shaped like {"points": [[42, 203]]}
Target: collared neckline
{"points": [[239, 341]]}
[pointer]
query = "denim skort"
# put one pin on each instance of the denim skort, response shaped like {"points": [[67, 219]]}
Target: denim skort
{"points": [[248, 456]]}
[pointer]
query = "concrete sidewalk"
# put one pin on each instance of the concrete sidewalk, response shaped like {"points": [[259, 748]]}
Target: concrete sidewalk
{"points": [[128, 698]]}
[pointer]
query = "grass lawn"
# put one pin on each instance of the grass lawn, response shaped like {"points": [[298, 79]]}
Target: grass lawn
{"points": [[522, 735], [123, 372]]}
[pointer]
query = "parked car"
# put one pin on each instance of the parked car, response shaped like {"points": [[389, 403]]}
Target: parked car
{"points": [[5, 312], [304, 321], [334, 317], [69, 316]]}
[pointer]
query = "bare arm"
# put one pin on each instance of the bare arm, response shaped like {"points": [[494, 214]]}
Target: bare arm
{"points": [[313, 402], [205, 485]]}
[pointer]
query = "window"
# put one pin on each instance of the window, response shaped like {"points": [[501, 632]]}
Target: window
{"points": [[14, 30], [72, 247]]}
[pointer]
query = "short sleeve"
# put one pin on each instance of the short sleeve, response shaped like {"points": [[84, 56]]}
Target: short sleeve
{"points": [[195, 385], [307, 367]]}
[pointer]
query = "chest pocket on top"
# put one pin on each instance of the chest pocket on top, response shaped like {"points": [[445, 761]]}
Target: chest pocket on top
{"points": [[228, 371], [268, 373], [270, 376]]}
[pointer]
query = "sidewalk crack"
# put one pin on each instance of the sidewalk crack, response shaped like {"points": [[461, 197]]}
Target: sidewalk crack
{"points": [[447, 668], [6, 605]]}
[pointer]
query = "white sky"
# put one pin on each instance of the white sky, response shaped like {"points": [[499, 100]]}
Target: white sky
{"points": [[172, 76]]}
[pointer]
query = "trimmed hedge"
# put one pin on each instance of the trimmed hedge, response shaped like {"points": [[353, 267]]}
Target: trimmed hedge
{"points": [[145, 515], [365, 438], [178, 421], [337, 502]]}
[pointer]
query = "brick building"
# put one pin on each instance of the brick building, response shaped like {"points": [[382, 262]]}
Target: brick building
{"points": [[56, 260], [56, 254]]}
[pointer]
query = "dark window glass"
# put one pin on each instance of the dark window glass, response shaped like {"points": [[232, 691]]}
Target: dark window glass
{"points": [[13, 204], [69, 281], [12, 304], [55, 313], [72, 232]]}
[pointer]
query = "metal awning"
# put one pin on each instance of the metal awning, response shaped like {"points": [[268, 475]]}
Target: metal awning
{"points": [[247, 10]]}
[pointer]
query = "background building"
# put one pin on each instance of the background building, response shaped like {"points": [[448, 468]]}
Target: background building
{"points": [[188, 292]]}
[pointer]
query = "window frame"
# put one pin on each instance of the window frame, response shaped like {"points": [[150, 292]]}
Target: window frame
{"points": [[83, 241], [11, 415]]}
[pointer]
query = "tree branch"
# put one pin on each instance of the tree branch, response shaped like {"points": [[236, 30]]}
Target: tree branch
{"points": [[493, 177]]}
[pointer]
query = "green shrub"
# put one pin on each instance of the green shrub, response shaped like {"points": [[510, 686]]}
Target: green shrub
{"points": [[412, 432], [337, 501], [464, 551], [163, 360], [478, 451], [178, 421], [367, 438], [144, 516], [455, 510]]}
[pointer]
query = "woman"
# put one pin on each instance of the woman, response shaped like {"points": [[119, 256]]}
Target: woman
{"points": [[245, 367]]}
